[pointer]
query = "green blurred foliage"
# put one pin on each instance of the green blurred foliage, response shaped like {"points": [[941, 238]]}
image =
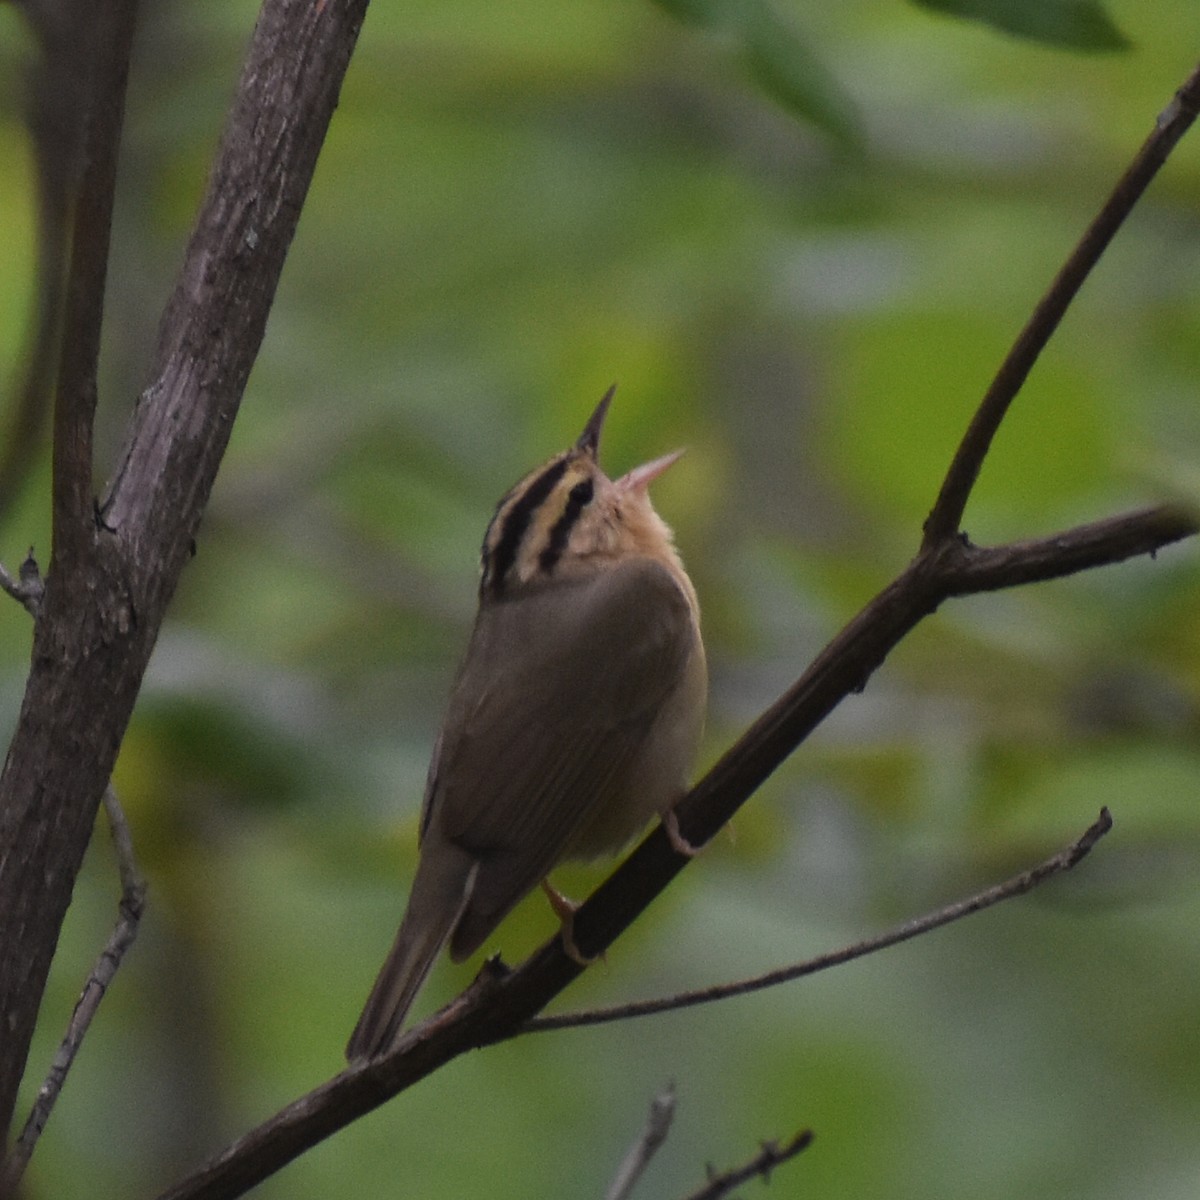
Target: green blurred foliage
{"points": [[778, 56], [518, 205], [1079, 24]]}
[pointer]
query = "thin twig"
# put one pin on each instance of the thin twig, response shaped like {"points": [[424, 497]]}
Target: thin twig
{"points": [[129, 915], [945, 519], [1018, 885], [845, 666], [133, 885], [763, 1163], [973, 569], [110, 38], [651, 1138], [56, 88]]}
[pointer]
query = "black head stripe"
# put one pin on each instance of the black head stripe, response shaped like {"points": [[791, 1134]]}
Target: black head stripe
{"points": [[516, 522], [579, 496]]}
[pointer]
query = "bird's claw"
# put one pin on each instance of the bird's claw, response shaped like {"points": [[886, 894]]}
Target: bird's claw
{"points": [[565, 909], [680, 844]]}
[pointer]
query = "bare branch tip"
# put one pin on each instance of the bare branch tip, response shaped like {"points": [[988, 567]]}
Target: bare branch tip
{"points": [[1102, 824], [770, 1155], [649, 1141]]}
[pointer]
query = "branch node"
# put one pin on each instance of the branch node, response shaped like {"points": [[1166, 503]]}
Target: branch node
{"points": [[770, 1155], [108, 962], [28, 588]]}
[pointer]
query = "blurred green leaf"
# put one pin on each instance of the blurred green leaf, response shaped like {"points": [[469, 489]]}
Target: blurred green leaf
{"points": [[708, 14], [780, 58], [1075, 24], [227, 751], [783, 62]]}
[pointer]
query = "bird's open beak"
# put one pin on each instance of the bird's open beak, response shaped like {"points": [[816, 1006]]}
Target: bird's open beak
{"points": [[640, 478], [589, 439]]}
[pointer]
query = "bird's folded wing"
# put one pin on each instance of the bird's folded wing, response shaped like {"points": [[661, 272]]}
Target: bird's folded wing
{"points": [[559, 691]]}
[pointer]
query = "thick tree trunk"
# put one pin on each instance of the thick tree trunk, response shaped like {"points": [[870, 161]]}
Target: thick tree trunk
{"points": [[113, 571], [88, 658]]}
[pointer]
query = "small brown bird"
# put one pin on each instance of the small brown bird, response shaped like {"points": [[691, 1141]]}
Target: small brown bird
{"points": [[574, 719]]}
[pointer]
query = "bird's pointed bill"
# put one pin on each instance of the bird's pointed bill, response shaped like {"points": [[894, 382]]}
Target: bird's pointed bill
{"points": [[641, 477], [589, 439]]}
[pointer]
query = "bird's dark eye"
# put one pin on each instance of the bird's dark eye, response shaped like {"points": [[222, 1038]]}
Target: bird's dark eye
{"points": [[582, 493]]}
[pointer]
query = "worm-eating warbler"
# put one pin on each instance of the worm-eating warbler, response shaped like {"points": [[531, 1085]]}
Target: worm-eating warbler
{"points": [[574, 719]]}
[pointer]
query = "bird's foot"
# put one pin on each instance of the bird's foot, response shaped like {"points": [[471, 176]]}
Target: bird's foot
{"points": [[565, 909], [680, 844]]}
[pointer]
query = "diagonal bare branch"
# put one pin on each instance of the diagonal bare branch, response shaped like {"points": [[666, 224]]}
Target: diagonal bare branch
{"points": [[1018, 885], [769, 1156], [1112, 540], [108, 36], [946, 517], [499, 1004], [649, 1140], [54, 96]]}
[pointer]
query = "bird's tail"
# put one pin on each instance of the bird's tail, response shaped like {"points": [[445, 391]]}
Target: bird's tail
{"points": [[440, 892]]}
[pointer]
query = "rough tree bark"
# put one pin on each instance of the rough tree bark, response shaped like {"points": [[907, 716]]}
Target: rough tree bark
{"points": [[114, 565]]}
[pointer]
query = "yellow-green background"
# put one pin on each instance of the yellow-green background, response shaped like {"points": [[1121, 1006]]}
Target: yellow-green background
{"points": [[518, 204]]}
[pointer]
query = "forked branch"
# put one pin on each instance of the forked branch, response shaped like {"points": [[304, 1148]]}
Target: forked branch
{"points": [[108, 963], [500, 1004], [108, 32], [1174, 121]]}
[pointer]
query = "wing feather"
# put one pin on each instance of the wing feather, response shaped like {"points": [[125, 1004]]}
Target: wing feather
{"points": [[557, 694]]}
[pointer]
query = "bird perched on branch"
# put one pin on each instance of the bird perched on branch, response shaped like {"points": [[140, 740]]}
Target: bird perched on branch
{"points": [[574, 719]]}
